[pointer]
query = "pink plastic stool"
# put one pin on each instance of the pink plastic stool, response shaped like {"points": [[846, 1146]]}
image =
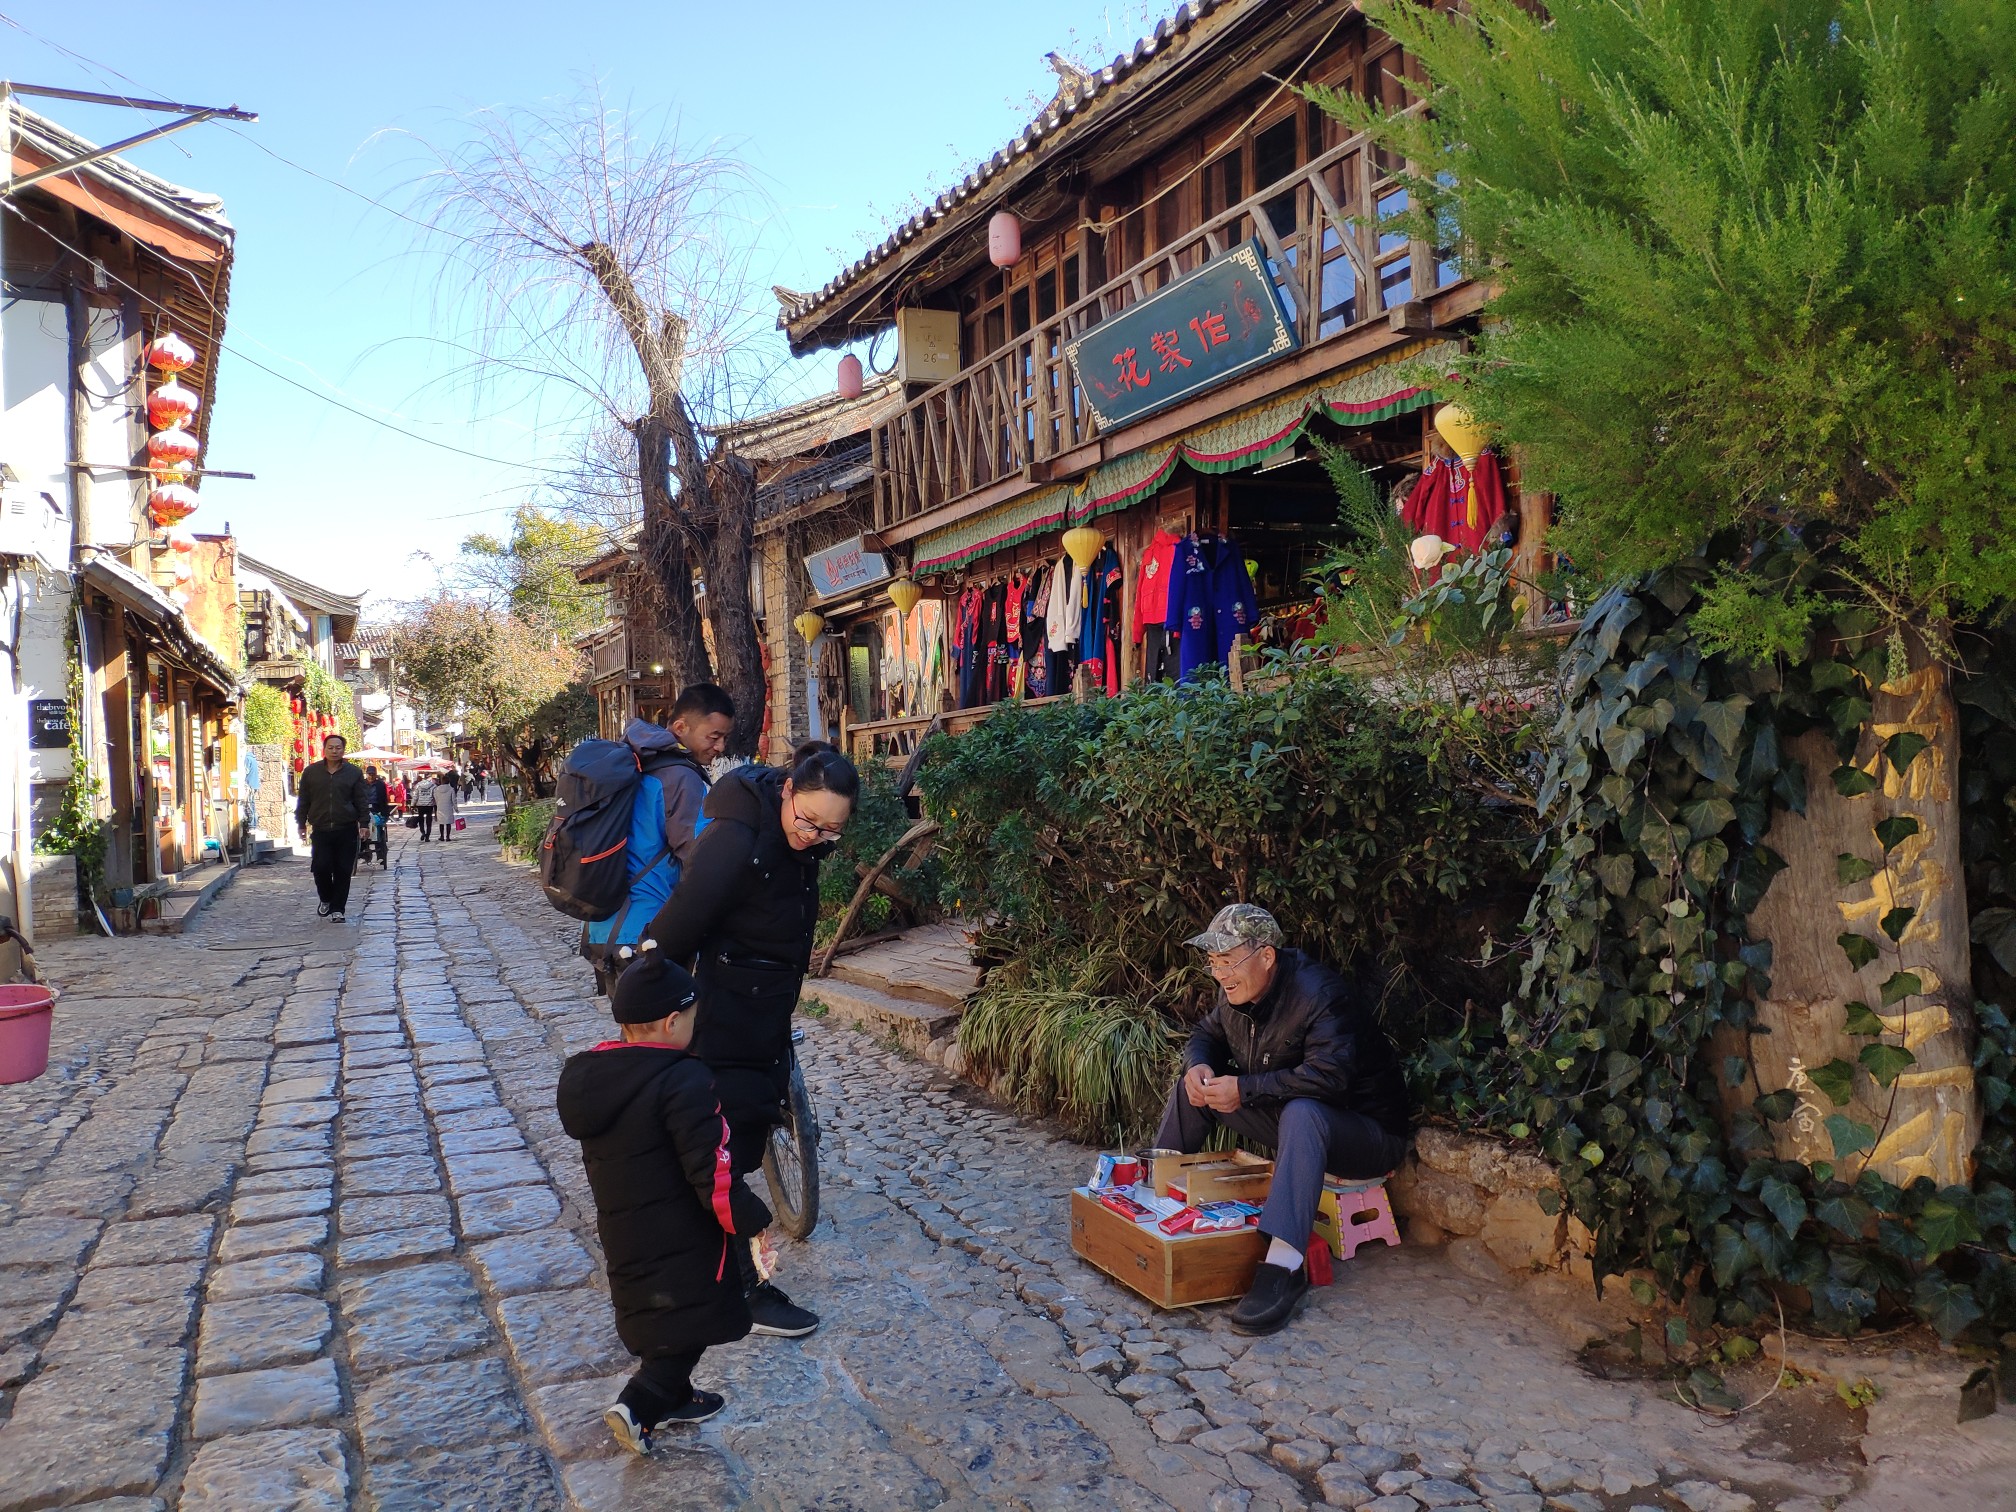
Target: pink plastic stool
{"points": [[1364, 1213]]}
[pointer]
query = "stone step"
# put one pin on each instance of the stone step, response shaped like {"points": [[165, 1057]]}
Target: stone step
{"points": [[898, 978], [183, 901], [911, 1023]]}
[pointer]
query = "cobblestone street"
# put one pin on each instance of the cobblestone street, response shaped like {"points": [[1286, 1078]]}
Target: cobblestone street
{"points": [[291, 1222]]}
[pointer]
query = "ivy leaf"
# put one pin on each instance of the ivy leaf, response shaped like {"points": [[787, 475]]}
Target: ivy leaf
{"points": [[1903, 748], [1996, 929], [1825, 675], [1886, 1062], [1847, 1215], [1852, 782], [1622, 742], [1897, 920], [1836, 1079], [1862, 1019], [1724, 722], [1707, 816], [1730, 1255], [1706, 860], [1616, 872], [1641, 1289], [1946, 1225], [1849, 1136], [1895, 830], [1848, 870], [1777, 1105], [1785, 1202], [1944, 1303], [1902, 984], [1859, 949]]}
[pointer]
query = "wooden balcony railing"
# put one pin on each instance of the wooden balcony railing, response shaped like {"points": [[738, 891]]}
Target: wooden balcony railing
{"points": [[1334, 255], [610, 656]]}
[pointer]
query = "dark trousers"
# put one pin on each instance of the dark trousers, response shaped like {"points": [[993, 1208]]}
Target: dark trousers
{"points": [[663, 1383], [1308, 1138], [426, 822], [332, 856], [1157, 665]]}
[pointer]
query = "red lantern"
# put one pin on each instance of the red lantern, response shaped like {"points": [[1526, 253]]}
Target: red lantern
{"points": [[170, 472], [173, 445], [181, 541], [850, 377], [1004, 240], [171, 404], [184, 570], [171, 504], [170, 353]]}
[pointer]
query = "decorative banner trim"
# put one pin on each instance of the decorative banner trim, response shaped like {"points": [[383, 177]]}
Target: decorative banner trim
{"points": [[1394, 385]]}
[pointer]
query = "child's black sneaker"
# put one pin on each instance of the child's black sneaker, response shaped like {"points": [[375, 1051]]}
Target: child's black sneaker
{"points": [[628, 1432], [703, 1406], [774, 1314]]}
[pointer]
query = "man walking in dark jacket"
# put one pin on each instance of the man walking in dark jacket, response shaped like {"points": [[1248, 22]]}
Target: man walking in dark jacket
{"points": [[1290, 1056], [332, 807]]}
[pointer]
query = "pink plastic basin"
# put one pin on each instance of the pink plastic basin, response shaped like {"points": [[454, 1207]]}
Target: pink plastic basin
{"points": [[24, 1031]]}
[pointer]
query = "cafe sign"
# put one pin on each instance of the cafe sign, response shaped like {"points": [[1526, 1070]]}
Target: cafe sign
{"points": [[1216, 323], [845, 568]]}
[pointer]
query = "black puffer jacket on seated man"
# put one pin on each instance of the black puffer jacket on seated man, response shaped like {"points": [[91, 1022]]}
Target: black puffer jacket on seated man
{"points": [[656, 1149], [1315, 1034]]}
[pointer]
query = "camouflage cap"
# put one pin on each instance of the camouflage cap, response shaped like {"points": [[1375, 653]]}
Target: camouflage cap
{"points": [[1238, 924]]}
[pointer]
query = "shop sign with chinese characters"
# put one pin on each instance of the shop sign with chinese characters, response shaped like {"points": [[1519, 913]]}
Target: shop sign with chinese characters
{"points": [[1208, 326], [845, 568]]}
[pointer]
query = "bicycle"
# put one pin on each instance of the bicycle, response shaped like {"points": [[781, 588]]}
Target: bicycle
{"points": [[791, 1155]]}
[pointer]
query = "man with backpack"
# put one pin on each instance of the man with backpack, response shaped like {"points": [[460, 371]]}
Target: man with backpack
{"points": [[633, 804]]}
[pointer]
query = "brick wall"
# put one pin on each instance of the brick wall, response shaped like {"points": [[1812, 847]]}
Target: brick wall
{"points": [[53, 880]]}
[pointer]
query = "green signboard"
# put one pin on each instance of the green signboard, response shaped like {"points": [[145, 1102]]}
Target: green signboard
{"points": [[1216, 323]]}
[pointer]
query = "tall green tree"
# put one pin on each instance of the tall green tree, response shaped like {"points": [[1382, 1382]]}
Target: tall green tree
{"points": [[1752, 290], [531, 574]]}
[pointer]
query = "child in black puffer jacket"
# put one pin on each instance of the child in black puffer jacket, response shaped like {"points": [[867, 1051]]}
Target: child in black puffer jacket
{"points": [[656, 1151]]}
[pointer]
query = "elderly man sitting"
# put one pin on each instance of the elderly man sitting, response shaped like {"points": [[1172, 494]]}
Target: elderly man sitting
{"points": [[1292, 1056]]}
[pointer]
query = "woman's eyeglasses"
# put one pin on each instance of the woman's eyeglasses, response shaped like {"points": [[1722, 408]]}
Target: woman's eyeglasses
{"points": [[808, 829]]}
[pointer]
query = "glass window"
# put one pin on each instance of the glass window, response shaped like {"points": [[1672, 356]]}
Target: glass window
{"points": [[1339, 295], [1390, 204], [1274, 153], [1396, 282]]}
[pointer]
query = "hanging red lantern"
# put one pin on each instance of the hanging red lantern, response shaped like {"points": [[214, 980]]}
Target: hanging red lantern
{"points": [[185, 570], [850, 377], [294, 705], [1004, 240], [170, 353], [181, 541], [171, 503], [171, 404], [171, 472], [173, 445]]}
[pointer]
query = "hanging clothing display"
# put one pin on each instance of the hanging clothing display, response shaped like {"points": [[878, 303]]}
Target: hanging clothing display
{"points": [[1063, 612], [1099, 636], [1210, 601], [1458, 503], [1151, 606]]}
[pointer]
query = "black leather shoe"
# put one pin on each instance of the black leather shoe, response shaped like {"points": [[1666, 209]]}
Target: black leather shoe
{"points": [[1270, 1302]]}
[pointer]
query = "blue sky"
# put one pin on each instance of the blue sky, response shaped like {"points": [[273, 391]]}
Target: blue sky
{"points": [[846, 113]]}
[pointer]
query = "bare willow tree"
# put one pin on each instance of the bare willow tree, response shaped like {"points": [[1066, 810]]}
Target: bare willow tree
{"points": [[611, 254]]}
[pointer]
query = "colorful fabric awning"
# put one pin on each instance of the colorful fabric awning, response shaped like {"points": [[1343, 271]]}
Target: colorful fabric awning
{"points": [[1393, 385]]}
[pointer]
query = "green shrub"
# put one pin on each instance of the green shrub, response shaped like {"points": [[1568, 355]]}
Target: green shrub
{"points": [[268, 721], [1089, 841], [880, 818], [524, 826]]}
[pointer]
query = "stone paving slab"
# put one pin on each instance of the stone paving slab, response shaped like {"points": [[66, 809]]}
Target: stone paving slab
{"points": [[305, 1232]]}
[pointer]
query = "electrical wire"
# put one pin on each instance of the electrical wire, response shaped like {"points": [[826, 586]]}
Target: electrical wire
{"points": [[460, 451]]}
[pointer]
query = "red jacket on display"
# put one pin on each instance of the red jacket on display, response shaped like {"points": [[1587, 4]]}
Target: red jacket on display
{"points": [[1458, 503], [1151, 592]]}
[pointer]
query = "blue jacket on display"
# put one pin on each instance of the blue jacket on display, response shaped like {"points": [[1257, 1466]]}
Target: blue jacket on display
{"points": [[665, 821], [1210, 601]]}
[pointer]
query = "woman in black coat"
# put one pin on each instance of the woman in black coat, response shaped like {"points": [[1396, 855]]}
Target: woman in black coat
{"points": [[746, 907]]}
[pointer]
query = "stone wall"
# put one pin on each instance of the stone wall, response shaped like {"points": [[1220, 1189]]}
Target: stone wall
{"points": [[272, 803], [1463, 1188], [53, 882]]}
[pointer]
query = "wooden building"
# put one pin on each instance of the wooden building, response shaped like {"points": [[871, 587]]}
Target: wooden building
{"points": [[1140, 316], [100, 260]]}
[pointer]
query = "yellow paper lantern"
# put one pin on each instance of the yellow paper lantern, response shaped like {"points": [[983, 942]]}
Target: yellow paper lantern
{"points": [[1460, 429], [808, 625], [904, 593], [1084, 544]]}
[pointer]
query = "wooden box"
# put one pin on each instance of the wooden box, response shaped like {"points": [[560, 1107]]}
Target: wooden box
{"points": [[1214, 1176], [1182, 1270]]}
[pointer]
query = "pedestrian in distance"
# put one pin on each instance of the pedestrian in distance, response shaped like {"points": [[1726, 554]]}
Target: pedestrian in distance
{"points": [[746, 907], [1291, 1056], [447, 798], [379, 795], [397, 792], [423, 804], [332, 809], [655, 1148]]}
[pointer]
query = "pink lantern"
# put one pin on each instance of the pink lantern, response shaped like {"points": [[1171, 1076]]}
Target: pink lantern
{"points": [[170, 353], [170, 405], [1004, 240], [171, 504], [850, 377], [173, 445]]}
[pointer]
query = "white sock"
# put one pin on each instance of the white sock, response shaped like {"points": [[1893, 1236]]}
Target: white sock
{"points": [[1280, 1252]]}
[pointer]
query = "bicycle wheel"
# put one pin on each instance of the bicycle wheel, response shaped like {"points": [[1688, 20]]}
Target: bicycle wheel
{"points": [[791, 1162]]}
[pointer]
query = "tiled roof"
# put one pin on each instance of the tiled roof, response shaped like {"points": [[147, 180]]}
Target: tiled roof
{"points": [[809, 424], [1069, 104], [199, 212], [834, 474]]}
